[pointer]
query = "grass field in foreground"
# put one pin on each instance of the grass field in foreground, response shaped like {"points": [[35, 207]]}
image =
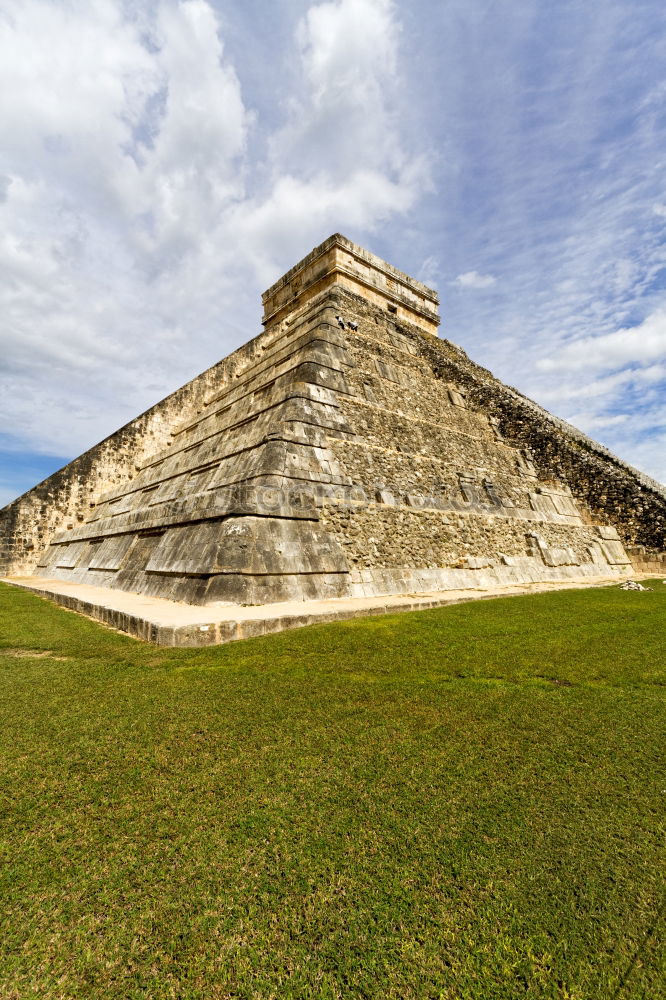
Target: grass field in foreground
{"points": [[460, 803]]}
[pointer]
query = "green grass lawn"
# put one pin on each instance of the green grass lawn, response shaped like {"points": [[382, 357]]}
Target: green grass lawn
{"points": [[460, 803]]}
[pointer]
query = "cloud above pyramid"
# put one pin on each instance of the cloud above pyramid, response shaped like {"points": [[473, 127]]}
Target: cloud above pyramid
{"points": [[160, 166]]}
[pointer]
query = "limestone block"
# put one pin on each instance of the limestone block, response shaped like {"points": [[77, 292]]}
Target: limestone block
{"points": [[559, 557], [495, 425], [469, 489], [109, 553], [416, 500], [67, 556], [607, 531], [120, 505], [525, 465], [340, 263], [247, 545], [247, 589], [477, 562], [615, 553], [543, 503], [564, 505], [492, 494]]}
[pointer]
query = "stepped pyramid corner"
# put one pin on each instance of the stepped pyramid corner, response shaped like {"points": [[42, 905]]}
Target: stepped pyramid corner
{"points": [[346, 451]]}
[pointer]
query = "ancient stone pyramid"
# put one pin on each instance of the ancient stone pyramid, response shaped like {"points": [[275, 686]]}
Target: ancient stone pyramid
{"points": [[345, 451]]}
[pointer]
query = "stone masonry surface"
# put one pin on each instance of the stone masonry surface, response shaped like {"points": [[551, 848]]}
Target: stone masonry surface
{"points": [[345, 452]]}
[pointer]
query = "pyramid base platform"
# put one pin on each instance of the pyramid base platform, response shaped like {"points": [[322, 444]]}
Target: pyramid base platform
{"points": [[167, 623]]}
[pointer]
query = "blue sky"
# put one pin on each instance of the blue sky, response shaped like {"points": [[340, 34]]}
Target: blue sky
{"points": [[161, 163]]}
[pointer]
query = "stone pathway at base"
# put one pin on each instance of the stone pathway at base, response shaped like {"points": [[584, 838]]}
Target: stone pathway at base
{"points": [[170, 624]]}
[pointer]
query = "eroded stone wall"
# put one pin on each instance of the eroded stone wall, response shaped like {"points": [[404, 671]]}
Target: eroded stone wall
{"points": [[607, 487], [406, 381], [67, 498], [391, 537], [226, 511]]}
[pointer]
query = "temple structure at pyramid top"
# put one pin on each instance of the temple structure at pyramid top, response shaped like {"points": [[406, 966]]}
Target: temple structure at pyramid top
{"points": [[339, 262], [345, 451]]}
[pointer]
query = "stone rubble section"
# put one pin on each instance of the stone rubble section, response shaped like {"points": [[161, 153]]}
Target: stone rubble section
{"points": [[346, 452], [611, 491]]}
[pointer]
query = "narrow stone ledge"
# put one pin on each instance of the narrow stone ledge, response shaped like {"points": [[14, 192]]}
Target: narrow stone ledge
{"points": [[166, 623]]}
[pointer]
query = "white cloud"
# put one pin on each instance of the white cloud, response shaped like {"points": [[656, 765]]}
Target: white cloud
{"points": [[299, 211], [590, 422], [135, 232], [342, 157], [639, 344], [144, 205], [583, 384], [472, 279], [348, 44], [553, 170], [648, 454], [343, 113], [429, 271]]}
